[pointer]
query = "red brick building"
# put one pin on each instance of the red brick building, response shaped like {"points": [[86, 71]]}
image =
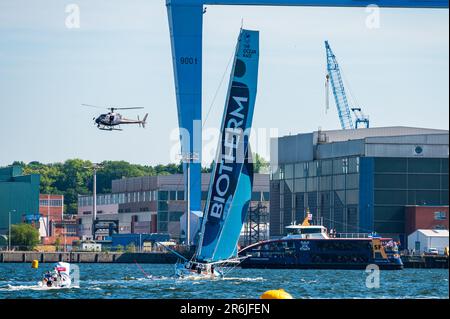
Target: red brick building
{"points": [[425, 217], [51, 209], [54, 224]]}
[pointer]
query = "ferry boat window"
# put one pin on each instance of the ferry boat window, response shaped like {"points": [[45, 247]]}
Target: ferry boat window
{"points": [[311, 230], [343, 245]]}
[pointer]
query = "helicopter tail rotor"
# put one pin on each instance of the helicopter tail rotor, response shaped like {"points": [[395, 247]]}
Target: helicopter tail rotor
{"points": [[144, 120]]}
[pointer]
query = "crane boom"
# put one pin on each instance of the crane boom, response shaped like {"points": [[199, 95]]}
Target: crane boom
{"points": [[337, 85]]}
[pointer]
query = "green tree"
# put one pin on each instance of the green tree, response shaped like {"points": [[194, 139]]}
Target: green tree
{"points": [[260, 165], [74, 177], [24, 235], [131, 248], [58, 243], [119, 248]]}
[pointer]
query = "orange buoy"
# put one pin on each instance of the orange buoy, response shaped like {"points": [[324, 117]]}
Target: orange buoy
{"points": [[276, 294]]}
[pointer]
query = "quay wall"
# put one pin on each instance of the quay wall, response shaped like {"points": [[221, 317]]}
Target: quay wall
{"points": [[87, 257]]}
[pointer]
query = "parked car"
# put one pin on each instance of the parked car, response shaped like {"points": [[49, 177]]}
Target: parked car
{"points": [[432, 251]]}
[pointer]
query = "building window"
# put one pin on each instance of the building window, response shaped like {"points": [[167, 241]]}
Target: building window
{"points": [[175, 216], [163, 216], [86, 213], [256, 196], [52, 202], [289, 171], [163, 195], [440, 215], [180, 195], [162, 205], [173, 195], [162, 227]]}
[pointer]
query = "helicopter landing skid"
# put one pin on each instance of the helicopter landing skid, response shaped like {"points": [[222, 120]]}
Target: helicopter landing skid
{"points": [[110, 129]]}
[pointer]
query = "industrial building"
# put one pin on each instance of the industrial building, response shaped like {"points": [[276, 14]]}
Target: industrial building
{"points": [[19, 196], [428, 240], [51, 210], [357, 181], [156, 204]]}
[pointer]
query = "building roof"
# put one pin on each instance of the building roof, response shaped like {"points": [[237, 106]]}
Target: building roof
{"points": [[346, 135], [175, 182], [393, 141], [433, 232]]}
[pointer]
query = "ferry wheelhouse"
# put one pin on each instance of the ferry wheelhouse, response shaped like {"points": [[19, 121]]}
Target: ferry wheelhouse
{"points": [[313, 247]]}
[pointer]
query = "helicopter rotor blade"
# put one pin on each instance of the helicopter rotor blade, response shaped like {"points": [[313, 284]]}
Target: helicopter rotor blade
{"points": [[128, 108], [113, 107], [96, 106]]}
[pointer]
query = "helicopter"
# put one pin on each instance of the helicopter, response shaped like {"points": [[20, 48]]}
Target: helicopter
{"points": [[109, 121]]}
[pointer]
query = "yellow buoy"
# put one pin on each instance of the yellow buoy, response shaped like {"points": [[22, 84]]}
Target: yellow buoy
{"points": [[276, 294], [35, 264]]}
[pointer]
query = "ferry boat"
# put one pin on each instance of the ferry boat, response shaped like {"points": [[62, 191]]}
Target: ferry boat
{"points": [[312, 247]]}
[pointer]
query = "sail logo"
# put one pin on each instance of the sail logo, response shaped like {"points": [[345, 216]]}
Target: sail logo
{"points": [[248, 53], [232, 150], [305, 246]]}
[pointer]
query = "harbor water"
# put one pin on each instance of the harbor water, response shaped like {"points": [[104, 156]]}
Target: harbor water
{"points": [[156, 281]]}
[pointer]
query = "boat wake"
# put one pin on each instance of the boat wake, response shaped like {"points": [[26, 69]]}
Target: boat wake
{"points": [[244, 279], [34, 287], [203, 278]]}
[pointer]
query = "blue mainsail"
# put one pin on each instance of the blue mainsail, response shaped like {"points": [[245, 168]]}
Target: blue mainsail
{"points": [[231, 183]]}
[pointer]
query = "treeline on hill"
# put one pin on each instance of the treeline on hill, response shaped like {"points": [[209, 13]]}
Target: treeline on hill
{"points": [[74, 176]]}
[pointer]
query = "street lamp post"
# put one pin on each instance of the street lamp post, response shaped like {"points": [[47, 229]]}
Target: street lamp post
{"points": [[95, 166], [188, 158], [9, 229]]}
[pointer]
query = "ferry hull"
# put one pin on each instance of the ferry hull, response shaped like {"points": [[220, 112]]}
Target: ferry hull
{"points": [[319, 254], [251, 264]]}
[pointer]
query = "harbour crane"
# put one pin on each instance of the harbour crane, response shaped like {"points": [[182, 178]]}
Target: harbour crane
{"points": [[340, 97], [186, 23]]}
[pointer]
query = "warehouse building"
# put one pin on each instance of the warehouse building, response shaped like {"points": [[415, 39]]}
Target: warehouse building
{"points": [[357, 181], [19, 196], [155, 204], [428, 240]]}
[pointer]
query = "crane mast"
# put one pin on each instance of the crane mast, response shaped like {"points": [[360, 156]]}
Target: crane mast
{"points": [[340, 97], [337, 85]]}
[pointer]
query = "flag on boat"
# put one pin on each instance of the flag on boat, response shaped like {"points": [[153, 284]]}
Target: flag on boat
{"points": [[232, 177]]}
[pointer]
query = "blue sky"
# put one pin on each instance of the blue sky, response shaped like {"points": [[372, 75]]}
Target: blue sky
{"points": [[121, 55]]}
